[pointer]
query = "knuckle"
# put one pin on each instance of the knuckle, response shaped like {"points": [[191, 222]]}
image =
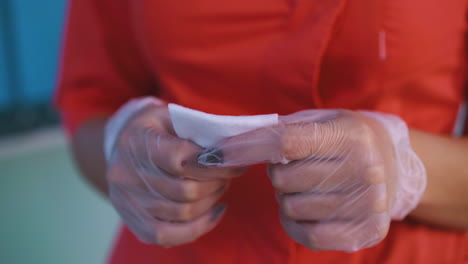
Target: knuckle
{"points": [[289, 208], [362, 134], [278, 183], [296, 142], [377, 198], [310, 239], [288, 144], [189, 190], [177, 156], [379, 206], [375, 174], [277, 180], [182, 152], [175, 164], [161, 239], [185, 212]]}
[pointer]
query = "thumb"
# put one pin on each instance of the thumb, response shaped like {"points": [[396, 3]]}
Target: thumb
{"points": [[258, 146], [282, 143]]}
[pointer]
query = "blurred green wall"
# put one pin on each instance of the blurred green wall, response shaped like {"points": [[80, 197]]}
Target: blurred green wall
{"points": [[48, 214]]}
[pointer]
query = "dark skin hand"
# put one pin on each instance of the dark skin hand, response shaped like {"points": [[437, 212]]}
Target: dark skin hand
{"points": [[444, 203]]}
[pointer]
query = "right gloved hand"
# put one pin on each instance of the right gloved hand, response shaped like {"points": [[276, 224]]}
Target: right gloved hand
{"points": [[155, 183]]}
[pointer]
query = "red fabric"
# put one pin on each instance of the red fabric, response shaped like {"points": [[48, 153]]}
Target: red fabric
{"points": [[263, 56]]}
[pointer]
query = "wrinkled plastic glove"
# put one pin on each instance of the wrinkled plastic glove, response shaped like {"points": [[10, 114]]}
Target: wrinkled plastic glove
{"points": [[155, 183], [340, 176]]}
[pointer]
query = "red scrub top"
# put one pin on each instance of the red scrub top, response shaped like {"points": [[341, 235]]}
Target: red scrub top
{"points": [[247, 57]]}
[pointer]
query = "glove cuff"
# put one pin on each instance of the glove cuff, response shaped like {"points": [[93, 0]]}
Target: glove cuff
{"points": [[120, 118], [412, 179]]}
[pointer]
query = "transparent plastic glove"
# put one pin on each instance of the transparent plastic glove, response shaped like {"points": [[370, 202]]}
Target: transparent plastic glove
{"points": [[340, 176], [162, 194]]}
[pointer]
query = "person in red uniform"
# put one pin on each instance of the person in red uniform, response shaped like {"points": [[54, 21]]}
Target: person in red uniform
{"points": [[402, 58]]}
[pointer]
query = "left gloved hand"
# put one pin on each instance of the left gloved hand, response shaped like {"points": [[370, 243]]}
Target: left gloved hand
{"points": [[340, 176]]}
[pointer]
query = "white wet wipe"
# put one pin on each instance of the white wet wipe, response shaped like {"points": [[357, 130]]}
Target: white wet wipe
{"points": [[207, 129]]}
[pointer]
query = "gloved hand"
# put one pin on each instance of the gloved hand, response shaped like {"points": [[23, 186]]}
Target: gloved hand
{"points": [[162, 194], [340, 176]]}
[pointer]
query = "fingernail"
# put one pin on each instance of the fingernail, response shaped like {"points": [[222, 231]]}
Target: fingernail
{"points": [[218, 211], [211, 157]]}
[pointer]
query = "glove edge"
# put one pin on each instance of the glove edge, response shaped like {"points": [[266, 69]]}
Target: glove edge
{"points": [[121, 117], [412, 177]]}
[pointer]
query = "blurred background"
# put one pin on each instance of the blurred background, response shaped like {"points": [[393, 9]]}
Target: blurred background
{"points": [[48, 214]]}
